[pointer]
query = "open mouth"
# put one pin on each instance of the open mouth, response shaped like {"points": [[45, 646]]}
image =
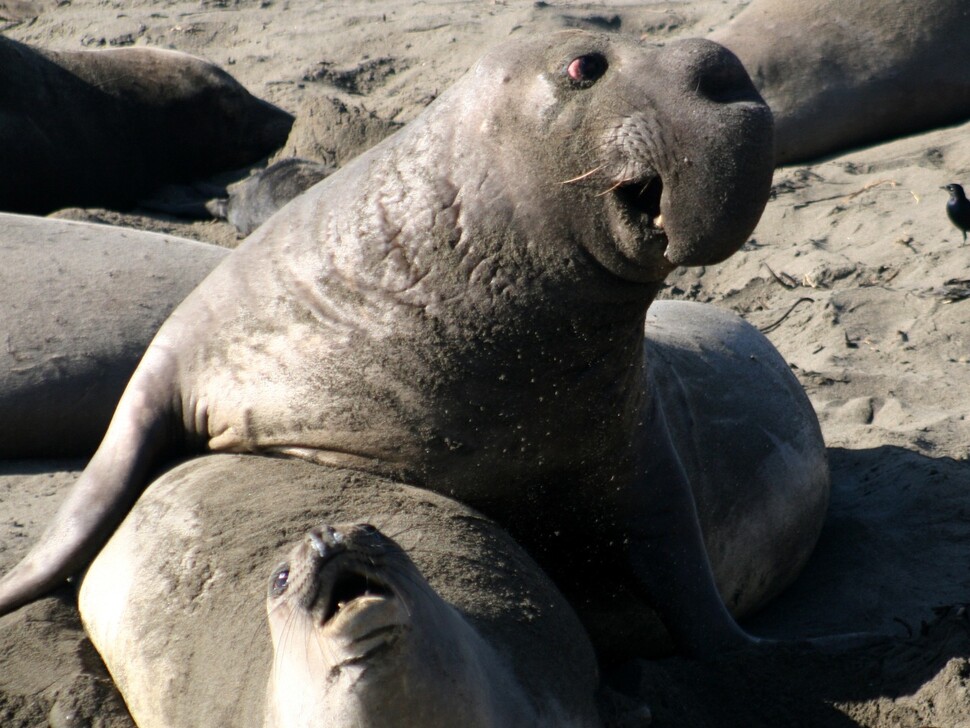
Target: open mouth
{"points": [[642, 200], [349, 587]]}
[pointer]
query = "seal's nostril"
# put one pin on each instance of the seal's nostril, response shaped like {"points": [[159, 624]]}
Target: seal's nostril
{"points": [[325, 540], [317, 542], [725, 82], [713, 72]]}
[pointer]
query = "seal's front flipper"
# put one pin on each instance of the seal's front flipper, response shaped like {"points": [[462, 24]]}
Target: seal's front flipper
{"points": [[666, 552], [101, 497]]}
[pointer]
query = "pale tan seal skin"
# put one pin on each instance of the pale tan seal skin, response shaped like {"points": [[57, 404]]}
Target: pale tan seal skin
{"points": [[469, 633], [360, 639], [105, 127], [463, 308], [78, 306], [843, 74]]}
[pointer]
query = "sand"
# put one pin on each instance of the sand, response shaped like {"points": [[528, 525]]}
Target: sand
{"points": [[854, 272]]}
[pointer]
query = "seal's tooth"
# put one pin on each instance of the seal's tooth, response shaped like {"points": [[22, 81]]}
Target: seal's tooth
{"points": [[658, 221]]}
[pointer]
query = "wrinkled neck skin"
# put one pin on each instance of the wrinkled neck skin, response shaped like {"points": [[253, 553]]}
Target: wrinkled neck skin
{"points": [[447, 246], [457, 329], [439, 673]]}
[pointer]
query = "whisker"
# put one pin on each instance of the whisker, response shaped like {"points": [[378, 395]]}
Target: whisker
{"points": [[583, 176], [614, 187]]}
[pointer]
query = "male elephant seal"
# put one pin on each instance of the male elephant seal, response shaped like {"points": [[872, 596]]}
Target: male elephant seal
{"points": [[460, 628], [462, 308], [82, 128], [842, 74]]}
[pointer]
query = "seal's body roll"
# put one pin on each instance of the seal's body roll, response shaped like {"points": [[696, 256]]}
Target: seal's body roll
{"points": [[460, 628], [462, 308]]}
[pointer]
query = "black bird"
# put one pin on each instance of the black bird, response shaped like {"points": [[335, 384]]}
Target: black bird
{"points": [[958, 208]]}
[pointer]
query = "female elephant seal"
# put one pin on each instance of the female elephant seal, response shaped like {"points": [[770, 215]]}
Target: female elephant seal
{"points": [[107, 127], [838, 75], [79, 304], [469, 633], [462, 308]]}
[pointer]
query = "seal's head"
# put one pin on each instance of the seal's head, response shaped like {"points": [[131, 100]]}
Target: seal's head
{"points": [[360, 639], [657, 156]]}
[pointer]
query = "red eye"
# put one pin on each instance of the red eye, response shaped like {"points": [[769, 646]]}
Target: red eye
{"points": [[586, 69]]}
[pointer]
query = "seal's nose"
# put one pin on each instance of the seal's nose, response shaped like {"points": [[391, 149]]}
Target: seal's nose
{"points": [[718, 180], [718, 75], [709, 71], [326, 541]]}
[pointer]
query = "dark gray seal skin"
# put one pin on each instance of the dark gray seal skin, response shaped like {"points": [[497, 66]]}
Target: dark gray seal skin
{"points": [[450, 623], [103, 128], [462, 308], [839, 75], [252, 201], [750, 443], [78, 306]]}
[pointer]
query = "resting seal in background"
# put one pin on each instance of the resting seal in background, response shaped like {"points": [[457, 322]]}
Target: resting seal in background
{"points": [[474, 635], [103, 128], [842, 74], [462, 308], [78, 305], [252, 201]]}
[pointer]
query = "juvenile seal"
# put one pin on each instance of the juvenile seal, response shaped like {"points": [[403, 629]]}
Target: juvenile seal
{"points": [[463, 307], [838, 75], [103, 128], [449, 624], [78, 306], [252, 201]]}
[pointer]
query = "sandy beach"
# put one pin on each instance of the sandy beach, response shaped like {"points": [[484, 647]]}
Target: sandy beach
{"points": [[854, 273]]}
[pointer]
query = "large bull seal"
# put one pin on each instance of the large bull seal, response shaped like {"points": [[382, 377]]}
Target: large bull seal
{"points": [[463, 307], [842, 74], [452, 625], [108, 126]]}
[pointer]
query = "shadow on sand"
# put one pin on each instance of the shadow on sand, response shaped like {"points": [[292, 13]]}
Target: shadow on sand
{"points": [[894, 559]]}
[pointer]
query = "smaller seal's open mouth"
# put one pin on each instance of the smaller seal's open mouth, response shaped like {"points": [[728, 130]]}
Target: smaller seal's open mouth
{"points": [[642, 199], [350, 586]]}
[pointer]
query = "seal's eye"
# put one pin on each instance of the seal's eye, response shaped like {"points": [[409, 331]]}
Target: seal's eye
{"points": [[586, 69], [367, 529], [279, 580]]}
